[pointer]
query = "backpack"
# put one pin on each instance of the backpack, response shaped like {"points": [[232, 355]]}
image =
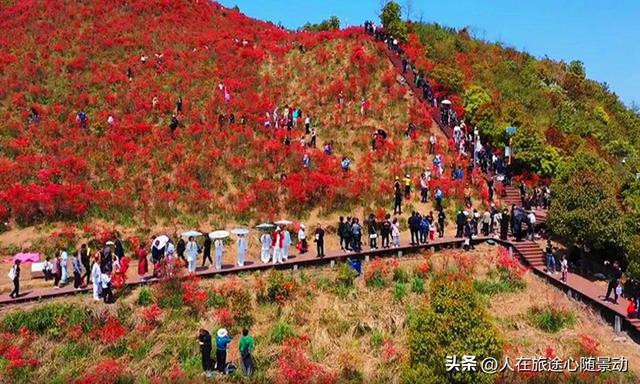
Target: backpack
{"points": [[12, 273]]}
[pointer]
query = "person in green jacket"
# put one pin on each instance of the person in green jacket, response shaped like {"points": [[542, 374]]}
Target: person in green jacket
{"points": [[247, 343]]}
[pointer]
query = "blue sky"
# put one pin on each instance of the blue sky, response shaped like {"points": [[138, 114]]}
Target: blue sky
{"points": [[600, 33]]}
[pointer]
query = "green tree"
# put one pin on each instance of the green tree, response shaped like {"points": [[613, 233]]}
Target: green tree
{"points": [[454, 323], [391, 18], [585, 210], [330, 24], [576, 68], [474, 98], [450, 78], [532, 153]]}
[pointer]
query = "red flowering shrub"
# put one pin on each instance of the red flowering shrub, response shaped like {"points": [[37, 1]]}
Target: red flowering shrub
{"points": [[105, 372], [377, 273], [110, 333], [295, 367], [588, 346], [193, 296], [151, 315]]}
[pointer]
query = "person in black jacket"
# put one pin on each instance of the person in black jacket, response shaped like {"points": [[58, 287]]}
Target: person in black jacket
{"points": [[342, 227], [118, 249], [181, 246], [373, 232], [504, 225], [385, 231], [614, 274], [461, 219], [397, 192], [206, 252], [414, 228], [204, 339], [441, 219], [348, 238]]}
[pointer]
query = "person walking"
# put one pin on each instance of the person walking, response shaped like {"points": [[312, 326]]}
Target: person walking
{"points": [[85, 259], [441, 218], [206, 251], [219, 246], [56, 271], [348, 237], [319, 239], [342, 229], [531, 225], [247, 344], [241, 245], [551, 260], [96, 275], [143, 264], [432, 144], [76, 266], [181, 247], [222, 342], [265, 241], [278, 245], [14, 276], [191, 252], [64, 265], [286, 244], [424, 188], [204, 339], [615, 273]]}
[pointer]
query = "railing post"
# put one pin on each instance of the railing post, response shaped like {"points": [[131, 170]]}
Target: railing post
{"points": [[333, 263], [366, 258], [295, 267], [617, 327]]}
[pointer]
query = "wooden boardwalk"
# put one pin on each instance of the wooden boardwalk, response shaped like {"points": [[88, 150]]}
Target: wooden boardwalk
{"points": [[294, 262]]}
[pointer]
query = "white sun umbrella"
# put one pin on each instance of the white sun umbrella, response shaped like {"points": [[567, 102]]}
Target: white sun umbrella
{"points": [[161, 241], [188, 234], [284, 222], [265, 226], [240, 231], [446, 102], [218, 235]]}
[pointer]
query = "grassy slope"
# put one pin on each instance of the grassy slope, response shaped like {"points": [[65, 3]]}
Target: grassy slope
{"points": [[342, 328]]}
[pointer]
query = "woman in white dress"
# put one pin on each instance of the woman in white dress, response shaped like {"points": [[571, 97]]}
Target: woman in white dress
{"points": [[242, 249], [219, 246], [265, 240]]}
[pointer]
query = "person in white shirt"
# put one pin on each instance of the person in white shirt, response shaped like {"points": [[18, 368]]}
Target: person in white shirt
{"points": [[95, 277], [532, 225], [286, 244], [111, 120], [278, 242], [64, 264], [191, 251], [265, 240], [395, 233], [219, 246], [302, 237], [241, 243]]}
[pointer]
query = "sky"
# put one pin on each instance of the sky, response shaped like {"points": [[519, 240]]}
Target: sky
{"points": [[599, 33]]}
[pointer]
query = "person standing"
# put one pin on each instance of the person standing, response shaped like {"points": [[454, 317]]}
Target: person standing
{"points": [[342, 229], [204, 339], [356, 233], [181, 246], [373, 232], [14, 276], [432, 144], [265, 241], [424, 188], [395, 233], [486, 223], [206, 252], [191, 251], [319, 239], [551, 260], [219, 246], [286, 244], [247, 344], [118, 249], [77, 271], [278, 242], [397, 193], [96, 276], [504, 225], [407, 186], [302, 238], [143, 265], [57, 271], [385, 231], [461, 219], [441, 219], [531, 225], [107, 291], [222, 341], [64, 264], [241, 244], [564, 268], [348, 246], [439, 195], [85, 259]]}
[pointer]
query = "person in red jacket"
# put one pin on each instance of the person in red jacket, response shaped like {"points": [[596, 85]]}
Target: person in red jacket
{"points": [[631, 309]]}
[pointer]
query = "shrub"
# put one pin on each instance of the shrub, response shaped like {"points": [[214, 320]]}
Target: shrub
{"points": [[399, 291], [48, 319], [145, 297], [376, 273], [346, 275], [279, 288], [281, 331], [454, 305], [418, 285], [295, 367], [376, 338], [551, 319]]}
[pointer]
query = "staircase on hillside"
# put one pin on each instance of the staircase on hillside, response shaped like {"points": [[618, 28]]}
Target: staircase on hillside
{"points": [[531, 252]]}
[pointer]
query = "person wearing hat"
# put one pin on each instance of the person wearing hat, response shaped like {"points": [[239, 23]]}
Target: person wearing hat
{"points": [[222, 341], [241, 244], [204, 339], [14, 276], [302, 237]]}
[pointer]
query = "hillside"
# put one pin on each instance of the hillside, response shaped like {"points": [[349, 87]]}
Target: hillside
{"points": [[319, 325]]}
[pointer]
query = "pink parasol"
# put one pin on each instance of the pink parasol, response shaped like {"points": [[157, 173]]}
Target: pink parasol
{"points": [[27, 257]]}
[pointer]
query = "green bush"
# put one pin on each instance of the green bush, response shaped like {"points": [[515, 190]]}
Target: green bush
{"points": [[551, 319], [145, 297], [454, 305], [376, 338], [399, 291], [499, 281], [48, 320], [418, 285], [400, 275], [346, 275], [281, 331]]}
